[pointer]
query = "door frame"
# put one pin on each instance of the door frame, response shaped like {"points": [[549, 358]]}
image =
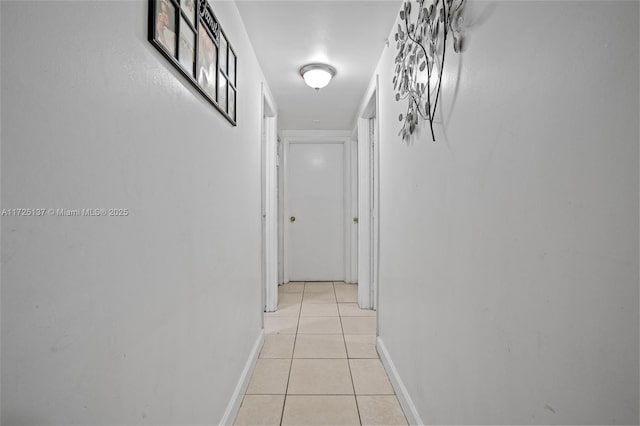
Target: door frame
{"points": [[318, 136], [269, 203], [351, 272], [368, 198]]}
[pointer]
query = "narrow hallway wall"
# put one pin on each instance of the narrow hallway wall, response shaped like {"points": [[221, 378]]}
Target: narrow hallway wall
{"points": [[509, 247], [143, 319]]}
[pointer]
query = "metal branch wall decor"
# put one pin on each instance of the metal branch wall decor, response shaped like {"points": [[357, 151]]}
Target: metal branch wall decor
{"points": [[421, 44]]}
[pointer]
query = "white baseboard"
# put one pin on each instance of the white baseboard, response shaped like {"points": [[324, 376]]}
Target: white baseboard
{"points": [[402, 393], [238, 393]]}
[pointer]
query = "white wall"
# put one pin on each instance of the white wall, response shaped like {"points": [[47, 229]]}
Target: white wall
{"points": [[509, 248], [146, 319]]}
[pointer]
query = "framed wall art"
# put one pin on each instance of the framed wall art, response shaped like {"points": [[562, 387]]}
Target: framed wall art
{"points": [[189, 36]]}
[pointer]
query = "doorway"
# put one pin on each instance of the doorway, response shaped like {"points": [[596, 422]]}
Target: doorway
{"points": [[269, 204], [317, 199], [368, 200]]}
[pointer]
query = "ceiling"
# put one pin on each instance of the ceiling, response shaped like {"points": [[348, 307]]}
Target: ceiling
{"points": [[348, 35]]}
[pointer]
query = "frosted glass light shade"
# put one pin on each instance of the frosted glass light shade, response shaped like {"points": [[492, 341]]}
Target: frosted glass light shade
{"points": [[317, 76]]}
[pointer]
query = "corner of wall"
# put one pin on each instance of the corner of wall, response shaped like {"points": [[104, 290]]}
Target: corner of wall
{"points": [[238, 393], [409, 408]]}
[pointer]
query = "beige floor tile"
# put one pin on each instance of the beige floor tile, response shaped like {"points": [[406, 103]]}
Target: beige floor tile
{"points": [[285, 311], [369, 377], [319, 297], [361, 345], [292, 287], [280, 325], [320, 325], [310, 285], [346, 293], [359, 325], [320, 346], [278, 346], [320, 410], [260, 410], [338, 282], [319, 310], [320, 377], [270, 377], [353, 310], [289, 298], [380, 410], [319, 288]]}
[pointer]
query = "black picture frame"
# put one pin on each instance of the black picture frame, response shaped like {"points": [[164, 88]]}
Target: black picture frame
{"points": [[194, 49]]}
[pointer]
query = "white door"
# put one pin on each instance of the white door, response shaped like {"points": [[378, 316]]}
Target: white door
{"points": [[315, 222]]}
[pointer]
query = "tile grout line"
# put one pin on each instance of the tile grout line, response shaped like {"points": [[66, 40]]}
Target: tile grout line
{"points": [[355, 398], [295, 339]]}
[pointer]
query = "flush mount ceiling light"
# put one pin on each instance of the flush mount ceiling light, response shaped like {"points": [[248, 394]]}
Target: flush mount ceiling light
{"points": [[317, 75]]}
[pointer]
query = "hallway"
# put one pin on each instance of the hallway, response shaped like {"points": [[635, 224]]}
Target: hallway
{"points": [[149, 213], [319, 364]]}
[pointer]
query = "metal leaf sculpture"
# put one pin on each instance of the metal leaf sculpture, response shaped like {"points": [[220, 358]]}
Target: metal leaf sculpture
{"points": [[421, 45]]}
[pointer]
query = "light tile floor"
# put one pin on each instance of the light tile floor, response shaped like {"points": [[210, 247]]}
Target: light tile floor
{"points": [[319, 364]]}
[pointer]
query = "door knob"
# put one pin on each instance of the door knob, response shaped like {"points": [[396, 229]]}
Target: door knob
{"points": [[292, 218], [355, 220]]}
